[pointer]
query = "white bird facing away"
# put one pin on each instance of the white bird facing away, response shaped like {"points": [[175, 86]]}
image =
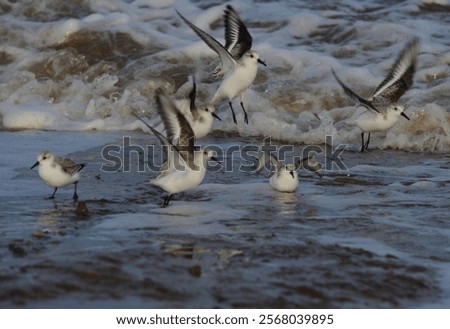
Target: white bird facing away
{"points": [[186, 164], [383, 110], [238, 61], [58, 172], [284, 177], [200, 118]]}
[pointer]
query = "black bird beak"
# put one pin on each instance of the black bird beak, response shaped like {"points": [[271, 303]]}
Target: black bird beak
{"points": [[404, 115], [215, 159], [260, 61], [34, 165], [292, 174], [216, 116]]}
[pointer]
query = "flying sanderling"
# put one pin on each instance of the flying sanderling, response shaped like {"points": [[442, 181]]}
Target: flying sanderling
{"points": [[238, 61], [185, 165], [284, 177], [200, 118], [58, 172], [383, 110]]}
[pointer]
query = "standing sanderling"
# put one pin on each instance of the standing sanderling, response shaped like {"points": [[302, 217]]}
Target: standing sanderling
{"points": [[185, 165], [239, 62], [383, 110], [58, 172], [284, 177], [200, 118]]}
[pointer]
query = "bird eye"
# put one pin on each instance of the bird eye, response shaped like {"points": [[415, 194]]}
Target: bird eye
{"points": [[207, 110], [252, 56], [44, 157]]}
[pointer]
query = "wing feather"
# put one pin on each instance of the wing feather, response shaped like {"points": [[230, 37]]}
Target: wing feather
{"points": [[70, 167], [178, 129], [226, 59], [237, 38], [192, 96], [354, 96], [400, 76]]}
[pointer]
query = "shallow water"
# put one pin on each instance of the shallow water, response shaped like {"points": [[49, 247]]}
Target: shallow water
{"points": [[375, 235], [373, 232]]}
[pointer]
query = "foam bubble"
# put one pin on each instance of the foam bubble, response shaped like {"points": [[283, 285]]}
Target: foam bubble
{"points": [[110, 61], [29, 116]]}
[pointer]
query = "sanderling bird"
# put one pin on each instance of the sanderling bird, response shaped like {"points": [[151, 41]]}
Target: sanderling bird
{"points": [[200, 118], [383, 109], [185, 165], [238, 61], [58, 172], [284, 177]]}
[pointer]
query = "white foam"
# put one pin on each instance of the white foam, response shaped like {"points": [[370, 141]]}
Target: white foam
{"points": [[294, 99], [29, 116], [58, 32]]}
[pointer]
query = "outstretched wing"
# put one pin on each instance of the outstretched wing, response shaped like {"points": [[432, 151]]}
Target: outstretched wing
{"points": [[178, 129], [264, 157], [400, 76], [356, 98], [192, 96], [165, 142], [262, 160], [237, 38], [226, 59]]}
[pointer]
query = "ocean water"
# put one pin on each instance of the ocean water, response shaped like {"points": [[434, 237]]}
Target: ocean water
{"points": [[373, 232]]}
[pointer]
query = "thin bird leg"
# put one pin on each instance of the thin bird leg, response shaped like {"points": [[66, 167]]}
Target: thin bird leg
{"points": [[366, 146], [245, 113], [362, 142], [167, 200], [75, 195], [232, 111], [53, 195]]}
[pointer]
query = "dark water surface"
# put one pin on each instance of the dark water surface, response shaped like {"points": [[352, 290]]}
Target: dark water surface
{"points": [[374, 236]]}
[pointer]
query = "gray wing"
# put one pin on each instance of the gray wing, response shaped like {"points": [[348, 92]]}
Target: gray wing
{"points": [[226, 59], [165, 142], [354, 96], [70, 167], [400, 76], [264, 158], [176, 125], [237, 38], [192, 95]]}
